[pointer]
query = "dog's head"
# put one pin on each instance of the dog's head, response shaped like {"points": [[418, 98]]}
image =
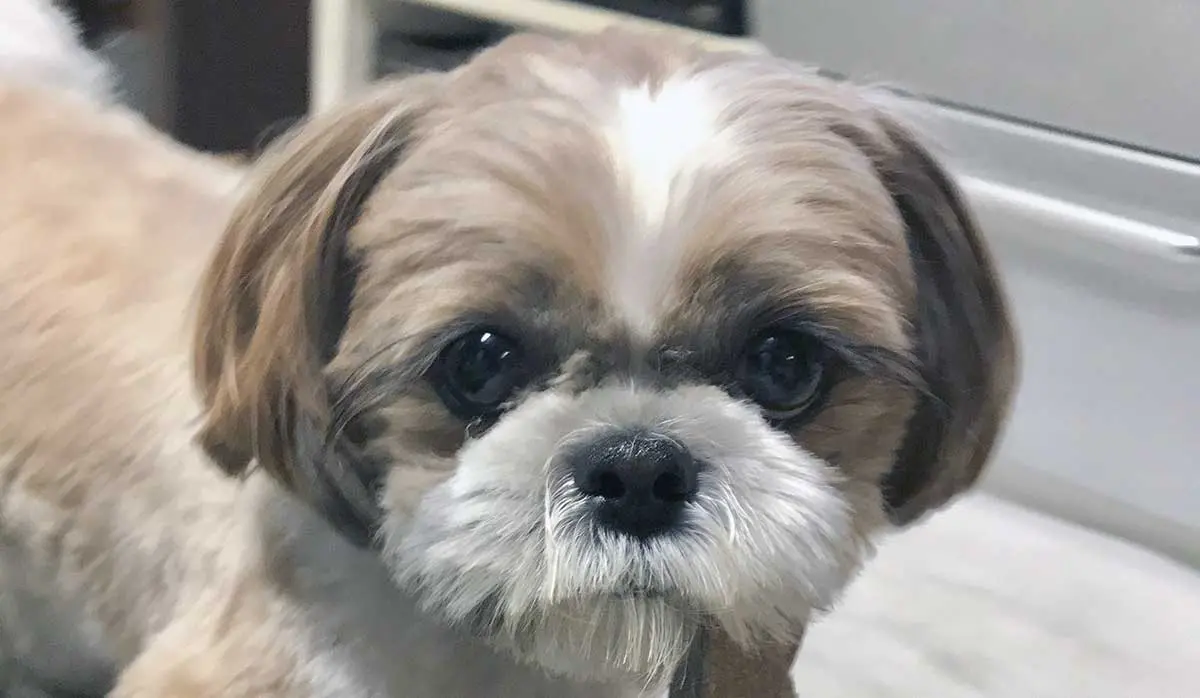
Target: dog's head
{"points": [[601, 338]]}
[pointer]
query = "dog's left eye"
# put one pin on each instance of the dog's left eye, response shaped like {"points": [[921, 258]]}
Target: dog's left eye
{"points": [[783, 371], [478, 372]]}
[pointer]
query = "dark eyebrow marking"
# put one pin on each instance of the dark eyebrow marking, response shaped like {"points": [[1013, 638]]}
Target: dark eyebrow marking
{"points": [[737, 299], [866, 359], [735, 310], [373, 383]]}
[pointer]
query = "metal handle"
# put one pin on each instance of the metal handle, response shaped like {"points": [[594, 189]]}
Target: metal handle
{"points": [[1114, 228]]}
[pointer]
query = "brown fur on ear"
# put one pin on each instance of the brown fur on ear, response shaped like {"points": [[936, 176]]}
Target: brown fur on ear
{"points": [[275, 297], [965, 342]]}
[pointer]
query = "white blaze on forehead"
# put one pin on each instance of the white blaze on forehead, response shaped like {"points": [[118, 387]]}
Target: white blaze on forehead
{"points": [[659, 139]]}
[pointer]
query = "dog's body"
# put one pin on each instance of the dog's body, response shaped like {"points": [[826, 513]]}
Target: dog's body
{"points": [[88, 314], [449, 320]]}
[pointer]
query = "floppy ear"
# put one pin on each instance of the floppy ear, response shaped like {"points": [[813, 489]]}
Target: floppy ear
{"points": [[276, 297], [965, 343]]}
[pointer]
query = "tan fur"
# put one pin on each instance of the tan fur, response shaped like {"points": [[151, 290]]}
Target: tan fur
{"points": [[94, 333], [491, 181], [94, 208]]}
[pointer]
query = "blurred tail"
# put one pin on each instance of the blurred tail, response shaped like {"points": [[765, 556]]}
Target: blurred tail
{"points": [[40, 45]]}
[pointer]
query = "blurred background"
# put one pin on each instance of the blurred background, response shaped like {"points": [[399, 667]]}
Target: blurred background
{"points": [[1071, 125]]}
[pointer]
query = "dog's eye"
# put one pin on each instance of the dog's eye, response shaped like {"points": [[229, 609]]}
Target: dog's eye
{"points": [[783, 371], [478, 372]]}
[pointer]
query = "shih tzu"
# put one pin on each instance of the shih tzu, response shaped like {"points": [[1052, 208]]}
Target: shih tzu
{"points": [[533, 372]]}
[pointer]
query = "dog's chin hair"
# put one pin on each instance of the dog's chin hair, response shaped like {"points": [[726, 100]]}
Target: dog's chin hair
{"points": [[606, 638], [548, 618]]}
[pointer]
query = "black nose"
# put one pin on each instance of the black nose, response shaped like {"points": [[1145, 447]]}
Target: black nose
{"points": [[642, 481]]}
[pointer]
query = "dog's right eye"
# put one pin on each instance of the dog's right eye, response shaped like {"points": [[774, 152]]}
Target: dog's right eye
{"points": [[479, 372], [784, 372]]}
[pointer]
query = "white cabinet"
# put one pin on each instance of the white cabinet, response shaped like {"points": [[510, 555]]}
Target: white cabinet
{"points": [[1121, 70]]}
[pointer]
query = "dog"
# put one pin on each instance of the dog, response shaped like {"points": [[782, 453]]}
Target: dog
{"points": [[507, 381]]}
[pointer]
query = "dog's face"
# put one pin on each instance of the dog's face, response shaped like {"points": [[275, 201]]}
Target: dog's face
{"points": [[604, 338]]}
